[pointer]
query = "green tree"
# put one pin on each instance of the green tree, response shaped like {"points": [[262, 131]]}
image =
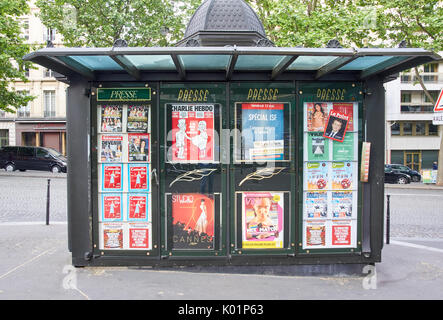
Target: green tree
{"points": [[12, 50], [98, 23]]}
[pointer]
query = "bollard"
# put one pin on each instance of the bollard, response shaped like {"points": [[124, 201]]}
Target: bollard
{"points": [[47, 201], [388, 218]]}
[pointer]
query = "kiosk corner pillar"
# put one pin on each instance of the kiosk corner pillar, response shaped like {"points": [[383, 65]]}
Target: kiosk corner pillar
{"points": [[79, 171]]}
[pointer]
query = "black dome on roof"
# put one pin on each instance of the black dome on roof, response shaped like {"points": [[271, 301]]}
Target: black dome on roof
{"points": [[225, 22], [224, 15]]}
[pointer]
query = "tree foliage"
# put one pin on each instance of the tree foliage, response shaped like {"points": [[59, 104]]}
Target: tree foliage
{"points": [[98, 23], [12, 50]]}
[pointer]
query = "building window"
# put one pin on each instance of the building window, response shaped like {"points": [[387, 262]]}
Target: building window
{"points": [[48, 34], [4, 137], [49, 103], [25, 29], [395, 129], [433, 130], [420, 129], [430, 72], [434, 94], [405, 97], [24, 111], [407, 128], [47, 73]]}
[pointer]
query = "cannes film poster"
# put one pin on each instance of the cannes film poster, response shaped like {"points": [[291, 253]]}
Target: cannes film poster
{"points": [[262, 216], [111, 207], [193, 221], [138, 147], [111, 118], [138, 207], [111, 148], [138, 177], [262, 131], [192, 132], [137, 120]]}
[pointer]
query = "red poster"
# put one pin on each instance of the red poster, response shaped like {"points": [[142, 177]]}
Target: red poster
{"points": [[193, 221], [112, 207], [341, 235], [137, 208], [192, 132], [113, 237], [138, 177], [138, 238], [347, 109], [336, 126], [112, 177]]}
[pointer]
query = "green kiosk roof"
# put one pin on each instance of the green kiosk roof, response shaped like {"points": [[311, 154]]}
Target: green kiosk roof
{"points": [[138, 63]]}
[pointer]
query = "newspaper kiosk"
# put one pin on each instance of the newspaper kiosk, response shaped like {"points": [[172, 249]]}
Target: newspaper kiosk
{"points": [[226, 150]]}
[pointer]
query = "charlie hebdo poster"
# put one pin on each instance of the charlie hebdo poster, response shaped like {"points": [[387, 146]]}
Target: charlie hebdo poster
{"points": [[192, 132]]}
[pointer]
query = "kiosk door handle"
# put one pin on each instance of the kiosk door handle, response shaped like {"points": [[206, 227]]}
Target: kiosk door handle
{"points": [[154, 173]]}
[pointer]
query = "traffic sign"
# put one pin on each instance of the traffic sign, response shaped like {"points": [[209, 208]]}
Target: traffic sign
{"points": [[439, 105]]}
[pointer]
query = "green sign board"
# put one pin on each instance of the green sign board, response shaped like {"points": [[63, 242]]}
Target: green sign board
{"points": [[123, 94]]}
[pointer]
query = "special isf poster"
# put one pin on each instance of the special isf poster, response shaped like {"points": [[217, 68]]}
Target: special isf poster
{"points": [[138, 119], [316, 204], [112, 177], [262, 131], [139, 235], [138, 177], [192, 132], [138, 207], [111, 118], [138, 147], [111, 207], [112, 235], [193, 221], [262, 216], [111, 148], [316, 176]]}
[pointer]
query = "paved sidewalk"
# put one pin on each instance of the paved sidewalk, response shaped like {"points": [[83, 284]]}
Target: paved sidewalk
{"points": [[35, 264]]}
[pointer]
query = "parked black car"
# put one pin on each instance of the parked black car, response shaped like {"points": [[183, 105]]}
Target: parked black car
{"points": [[394, 176], [415, 176], [32, 158]]}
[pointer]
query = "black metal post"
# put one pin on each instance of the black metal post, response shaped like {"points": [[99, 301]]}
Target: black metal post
{"points": [[388, 218], [47, 201]]}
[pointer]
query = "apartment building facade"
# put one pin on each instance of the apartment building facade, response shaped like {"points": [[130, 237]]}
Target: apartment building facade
{"points": [[411, 138], [43, 121]]}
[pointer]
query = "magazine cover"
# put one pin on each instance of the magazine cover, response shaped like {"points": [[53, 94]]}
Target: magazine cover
{"points": [[342, 204], [342, 175], [262, 220], [111, 236], [262, 131], [112, 177], [344, 151], [138, 119], [138, 147], [316, 204], [317, 147], [111, 148], [316, 176], [192, 133], [347, 109], [139, 235], [315, 234], [316, 116], [138, 207], [138, 177], [111, 119], [111, 208], [193, 221], [343, 233], [336, 126]]}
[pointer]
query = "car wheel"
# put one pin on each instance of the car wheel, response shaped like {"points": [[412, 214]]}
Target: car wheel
{"points": [[415, 179], [10, 167], [56, 169], [402, 180]]}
